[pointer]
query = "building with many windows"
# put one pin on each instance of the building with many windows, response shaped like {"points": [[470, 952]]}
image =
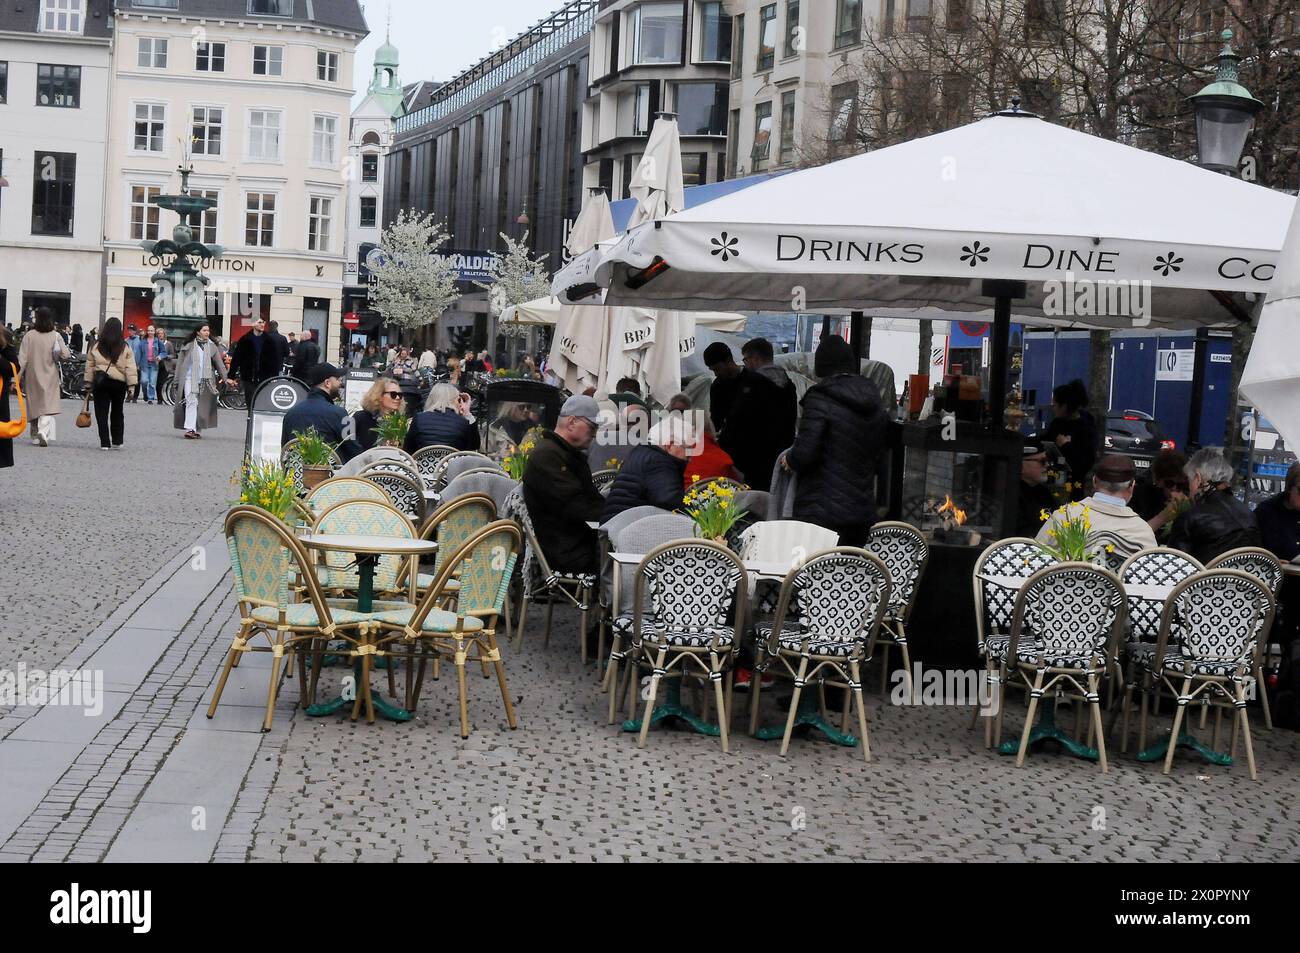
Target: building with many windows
{"points": [[651, 56], [255, 94], [54, 92], [496, 150]]}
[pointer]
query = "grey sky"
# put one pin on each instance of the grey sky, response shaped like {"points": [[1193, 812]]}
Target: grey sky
{"points": [[436, 39]]}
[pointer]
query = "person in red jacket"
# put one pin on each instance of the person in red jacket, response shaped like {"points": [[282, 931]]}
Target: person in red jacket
{"points": [[709, 460]]}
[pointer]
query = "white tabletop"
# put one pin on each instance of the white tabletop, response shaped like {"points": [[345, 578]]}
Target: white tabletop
{"points": [[355, 543], [1149, 593], [593, 524]]}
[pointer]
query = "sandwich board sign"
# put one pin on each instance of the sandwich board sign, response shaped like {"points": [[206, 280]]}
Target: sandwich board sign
{"points": [[274, 398]]}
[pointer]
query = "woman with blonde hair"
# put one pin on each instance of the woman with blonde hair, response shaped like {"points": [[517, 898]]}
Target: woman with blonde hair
{"points": [[445, 421], [384, 397]]}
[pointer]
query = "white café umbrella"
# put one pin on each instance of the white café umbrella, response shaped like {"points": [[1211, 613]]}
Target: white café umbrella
{"points": [[578, 346], [1271, 378], [547, 310], [922, 223]]}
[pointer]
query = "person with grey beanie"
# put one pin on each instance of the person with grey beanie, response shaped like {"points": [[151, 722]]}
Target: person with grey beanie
{"points": [[838, 446]]}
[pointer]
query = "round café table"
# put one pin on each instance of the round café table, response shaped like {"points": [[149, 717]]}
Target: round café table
{"points": [[367, 550]]}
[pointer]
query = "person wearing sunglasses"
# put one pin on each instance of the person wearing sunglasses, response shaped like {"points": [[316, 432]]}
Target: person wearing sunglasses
{"points": [[384, 397]]}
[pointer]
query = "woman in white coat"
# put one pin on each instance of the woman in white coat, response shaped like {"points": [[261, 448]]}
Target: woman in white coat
{"points": [[198, 368], [39, 355]]}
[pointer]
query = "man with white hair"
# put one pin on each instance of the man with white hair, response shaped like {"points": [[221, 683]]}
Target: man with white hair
{"points": [[1217, 520], [1113, 522], [652, 474]]}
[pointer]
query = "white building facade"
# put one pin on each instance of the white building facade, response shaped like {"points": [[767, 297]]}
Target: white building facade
{"points": [[255, 95], [54, 97]]}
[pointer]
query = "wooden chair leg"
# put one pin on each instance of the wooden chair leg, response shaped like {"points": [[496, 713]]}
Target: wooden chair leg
{"points": [[1244, 718], [794, 704], [1095, 705], [611, 677], [276, 661], [1034, 697], [755, 689], [884, 647], [523, 614], [495, 653], [650, 698], [221, 682], [1147, 679], [862, 710], [715, 676], [1262, 690], [1178, 724], [907, 669], [583, 636], [550, 610], [464, 696]]}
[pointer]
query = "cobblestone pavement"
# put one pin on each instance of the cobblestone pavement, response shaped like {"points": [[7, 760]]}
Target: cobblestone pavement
{"points": [[152, 778]]}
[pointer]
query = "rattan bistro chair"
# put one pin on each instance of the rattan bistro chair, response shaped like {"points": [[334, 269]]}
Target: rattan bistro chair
{"points": [[685, 595], [1150, 567], [537, 579], [484, 564], [358, 517], [496, 485], [405, 493], [337, 489], [457, 462], [1265, 567], [603, 480], [904, 551], [827, 620], [1017, 557], [1220, 614], [1065, 624], [263, 556], [426, 459], [291, 460]]}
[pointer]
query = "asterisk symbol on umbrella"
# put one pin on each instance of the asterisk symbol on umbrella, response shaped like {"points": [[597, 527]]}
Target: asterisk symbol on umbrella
{"points": [[975, 253], [726, 247], [1167, 263]]}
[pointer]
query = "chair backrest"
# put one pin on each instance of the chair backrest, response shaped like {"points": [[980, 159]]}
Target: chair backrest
{"points": [[1069, 609], [337, 489], [404, 464], [456, 463], [1161, 566], [367, 518], [486, 561], [456, 521], [838, 595], [691, 586], [1016, 556], [619, 521], [1255, 561], [533, 560], [496, 485], [493, 470], [785, 541], [263, 554], [1220, 615], [426, 458], [1115, 550], [904, 551], [405, 493], [644, 529], [754, 502], [367, 458], [603, 480]]}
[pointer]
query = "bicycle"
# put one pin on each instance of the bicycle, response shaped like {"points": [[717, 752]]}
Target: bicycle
{"points": [[72, 378]]}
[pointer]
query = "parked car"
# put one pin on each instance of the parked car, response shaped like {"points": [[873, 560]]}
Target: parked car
{"points": [[1135, 434]]}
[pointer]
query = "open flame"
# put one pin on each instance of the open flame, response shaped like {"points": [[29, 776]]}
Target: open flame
{"points": [[951, 513]]}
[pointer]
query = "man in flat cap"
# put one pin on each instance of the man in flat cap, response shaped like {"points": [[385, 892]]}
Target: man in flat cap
{"points": [[1114, 524]]}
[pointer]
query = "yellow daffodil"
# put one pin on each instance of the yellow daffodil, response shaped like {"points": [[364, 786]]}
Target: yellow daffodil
{"points": [[695, 478], [1044, 515]]}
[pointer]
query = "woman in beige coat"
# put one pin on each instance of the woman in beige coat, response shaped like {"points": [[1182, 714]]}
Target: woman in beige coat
{"points": [[113, 358], [38, 356]]}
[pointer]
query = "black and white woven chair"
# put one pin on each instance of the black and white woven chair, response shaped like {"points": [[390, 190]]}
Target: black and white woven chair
{"points": [[426, 459], [406, 493], [291, 460], [1150, 567], [904, 551], [1220, 614], [1065, 623], [1018, 558], [538, 580], [685, 596], [1265, 567], [827, 620], [603, 480]]}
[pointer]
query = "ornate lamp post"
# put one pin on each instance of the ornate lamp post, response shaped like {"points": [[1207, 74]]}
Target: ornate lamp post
{"points": [[180, 296], [1225, 114]]}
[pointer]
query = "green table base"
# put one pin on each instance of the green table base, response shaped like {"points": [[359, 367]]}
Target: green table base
{"points": [[1046, 730], [1157, 751], [809, 714], [672, 708], [365, 603]]}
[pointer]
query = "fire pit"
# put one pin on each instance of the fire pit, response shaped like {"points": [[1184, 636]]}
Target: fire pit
{"points": [[950, 528]]}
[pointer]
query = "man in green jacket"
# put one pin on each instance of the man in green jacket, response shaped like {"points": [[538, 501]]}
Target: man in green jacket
{"points": [[558, 491]]}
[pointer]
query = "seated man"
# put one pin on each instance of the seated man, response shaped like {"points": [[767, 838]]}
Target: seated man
{"points": [[558, 491], [1113, 522], [652, 474], [318, 409], [1035, 497]]}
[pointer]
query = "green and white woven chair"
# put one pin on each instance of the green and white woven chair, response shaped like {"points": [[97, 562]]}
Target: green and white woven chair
{"points": [[337, 489], [363, 518], [264, 555]]}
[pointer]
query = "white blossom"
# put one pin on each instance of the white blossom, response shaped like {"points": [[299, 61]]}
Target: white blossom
{"points": [[520, 278], [413, 286]]}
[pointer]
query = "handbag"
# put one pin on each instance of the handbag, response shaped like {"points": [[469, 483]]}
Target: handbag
{"points": [[83, 418], [101, 377], [14, 428]]}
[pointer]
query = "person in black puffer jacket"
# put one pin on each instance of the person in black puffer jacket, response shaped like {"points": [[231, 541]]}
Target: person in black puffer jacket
{"points": [[652, 474], [835, 452], [1217, 521], [445, 421]]}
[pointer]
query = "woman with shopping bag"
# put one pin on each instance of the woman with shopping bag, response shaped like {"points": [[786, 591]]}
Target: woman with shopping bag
{"points": [[110, 370], [39, 356]]}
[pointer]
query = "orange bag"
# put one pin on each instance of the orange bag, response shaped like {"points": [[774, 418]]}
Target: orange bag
{"points": [[14, 428]]}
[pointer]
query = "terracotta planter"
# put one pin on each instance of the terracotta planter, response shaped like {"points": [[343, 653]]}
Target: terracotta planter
{"points": [[312, 476]]}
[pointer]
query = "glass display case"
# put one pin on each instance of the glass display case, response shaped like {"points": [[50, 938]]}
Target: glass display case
{"points": [[510, 407], [956, 482]]}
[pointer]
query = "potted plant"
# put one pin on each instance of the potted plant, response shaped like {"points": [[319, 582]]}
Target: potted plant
{"points": [[516, 458], [267, 485], [713, 508], [316, 456], [390, 429]]}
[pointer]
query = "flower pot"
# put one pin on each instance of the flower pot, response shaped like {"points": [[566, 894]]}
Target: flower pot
{"points": [[312, 476]]}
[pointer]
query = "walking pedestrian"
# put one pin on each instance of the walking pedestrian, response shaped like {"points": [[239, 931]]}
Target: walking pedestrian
{"points": [[110, 370], [166, 363], [255, 358], [133, 340], [198, 369], [77, 340], [307, 356], [149, 357], [38, 356], [8, 361]]}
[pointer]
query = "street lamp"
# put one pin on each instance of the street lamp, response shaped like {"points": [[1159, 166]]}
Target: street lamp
{"points": [[1225, 114]]}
